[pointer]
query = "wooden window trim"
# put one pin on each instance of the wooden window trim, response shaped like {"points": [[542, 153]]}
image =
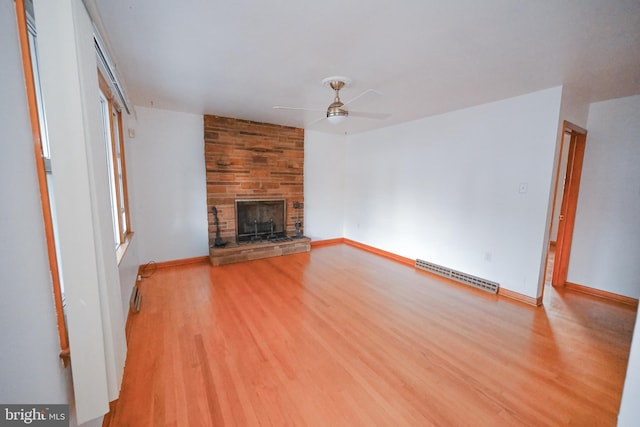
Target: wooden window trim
{"points": [[125, 188], [42, 179], [114, 166], [122, 247], [125, 236]]}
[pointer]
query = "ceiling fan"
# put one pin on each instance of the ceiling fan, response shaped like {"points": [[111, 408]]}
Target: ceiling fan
{"points": [[336, 113]]}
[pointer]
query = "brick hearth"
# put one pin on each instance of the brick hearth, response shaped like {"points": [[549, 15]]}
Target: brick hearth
{"points": [[234, 252], [251, 160]]}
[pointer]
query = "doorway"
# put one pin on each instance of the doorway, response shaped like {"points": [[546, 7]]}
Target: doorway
{"points": [[565, 203]]}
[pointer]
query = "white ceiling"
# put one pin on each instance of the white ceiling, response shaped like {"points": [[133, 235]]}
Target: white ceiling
{"points": [[240, 58]]}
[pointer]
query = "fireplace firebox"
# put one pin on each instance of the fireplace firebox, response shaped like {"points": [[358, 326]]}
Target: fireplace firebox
{"points": [[260, 220]]}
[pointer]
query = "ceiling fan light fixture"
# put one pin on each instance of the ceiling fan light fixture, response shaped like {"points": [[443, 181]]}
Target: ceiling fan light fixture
{"points": [[336, 119], [336, 115]]}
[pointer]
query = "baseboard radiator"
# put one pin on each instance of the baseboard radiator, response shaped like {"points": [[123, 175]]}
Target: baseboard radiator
{"points": [[467, 279]]}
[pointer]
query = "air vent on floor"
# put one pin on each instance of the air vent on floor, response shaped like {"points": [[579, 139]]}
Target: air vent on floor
{"points": [[476, 282]]}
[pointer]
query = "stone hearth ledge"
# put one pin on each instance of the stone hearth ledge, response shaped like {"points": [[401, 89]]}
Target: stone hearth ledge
{"points": [[234, 252]]}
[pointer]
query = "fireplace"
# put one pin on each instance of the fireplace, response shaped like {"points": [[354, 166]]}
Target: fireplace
{"points": [[255, 184], [260, 220]]}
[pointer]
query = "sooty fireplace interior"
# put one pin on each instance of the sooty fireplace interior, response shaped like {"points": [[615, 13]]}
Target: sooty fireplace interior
{"points": [[258, 220]]}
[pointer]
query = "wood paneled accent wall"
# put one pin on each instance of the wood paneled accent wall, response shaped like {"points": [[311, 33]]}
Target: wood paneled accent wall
{"points": [[251, 160]]}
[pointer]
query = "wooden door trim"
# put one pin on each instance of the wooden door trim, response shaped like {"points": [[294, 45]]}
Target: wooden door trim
{"points": [[560, 238], [569, 201], [566, 125]]}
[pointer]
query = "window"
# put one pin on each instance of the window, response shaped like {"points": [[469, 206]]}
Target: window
{"points": [[28, 46], [114, 146]]}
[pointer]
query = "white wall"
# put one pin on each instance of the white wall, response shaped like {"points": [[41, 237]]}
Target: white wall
{"points": [[128, 267], [446, 188], [90, 273], [324, 185], [574, 109], [167, 185], [128, 272], [30, 369], [564, 158], [606, 241]]}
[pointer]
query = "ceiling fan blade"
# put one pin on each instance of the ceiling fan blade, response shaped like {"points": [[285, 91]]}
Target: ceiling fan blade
{"points": [[315, 121], [363, 94], [277, 107], [379, 116]]}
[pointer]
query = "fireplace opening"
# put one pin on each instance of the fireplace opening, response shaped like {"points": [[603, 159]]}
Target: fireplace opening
{"points": [[260, 220]]}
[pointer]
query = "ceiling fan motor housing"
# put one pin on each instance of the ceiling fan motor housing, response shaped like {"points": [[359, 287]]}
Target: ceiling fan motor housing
{"points": [[336, 83], [336, 110]]}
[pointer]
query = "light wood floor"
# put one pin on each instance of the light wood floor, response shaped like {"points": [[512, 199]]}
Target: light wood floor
{"points": [[342, 337]]}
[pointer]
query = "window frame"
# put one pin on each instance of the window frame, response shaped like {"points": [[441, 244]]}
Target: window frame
{"points": [[117, 169], [26, 31]]}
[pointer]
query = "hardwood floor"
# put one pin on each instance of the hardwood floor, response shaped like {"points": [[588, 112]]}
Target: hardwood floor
{"points": [[341, 337]]}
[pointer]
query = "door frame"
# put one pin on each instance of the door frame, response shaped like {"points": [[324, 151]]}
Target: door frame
{"points": [[568, 208]]}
